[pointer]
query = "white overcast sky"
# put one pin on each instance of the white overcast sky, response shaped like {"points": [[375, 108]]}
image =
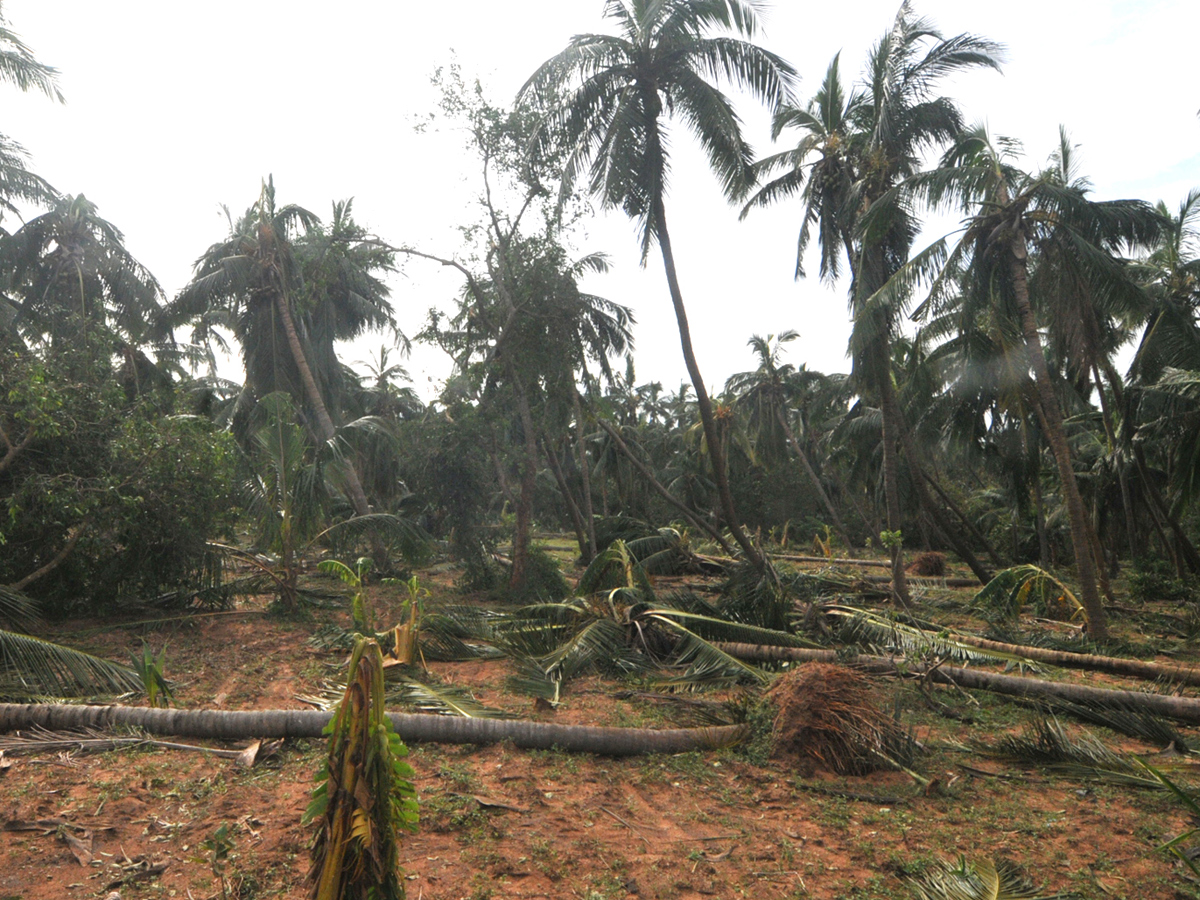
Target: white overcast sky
{"points": [[174, 108]]}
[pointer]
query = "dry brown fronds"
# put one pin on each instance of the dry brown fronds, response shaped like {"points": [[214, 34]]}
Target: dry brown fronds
{"points": [[828, 718]]}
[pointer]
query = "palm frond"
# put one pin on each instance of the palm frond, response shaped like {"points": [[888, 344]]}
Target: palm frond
{"points": [[17, 608], [984, 880], [31, 667], [440, 700], [889, 634], [1009, 591]]}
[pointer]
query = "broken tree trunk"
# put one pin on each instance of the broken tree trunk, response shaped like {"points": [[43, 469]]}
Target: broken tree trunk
{"points": [[309, 723]]}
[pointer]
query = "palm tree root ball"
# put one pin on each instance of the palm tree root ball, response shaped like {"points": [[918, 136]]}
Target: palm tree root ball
{"points": [[827, 718]]}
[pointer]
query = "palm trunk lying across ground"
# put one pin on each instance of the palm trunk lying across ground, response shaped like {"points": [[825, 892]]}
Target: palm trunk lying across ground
{"points": [[1185, 709], [308, 723]]}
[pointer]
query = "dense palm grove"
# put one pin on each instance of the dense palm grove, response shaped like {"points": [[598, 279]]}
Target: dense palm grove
{"points": [[985, 412]]}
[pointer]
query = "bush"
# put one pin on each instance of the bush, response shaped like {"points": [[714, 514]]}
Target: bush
{"points": [[110, 497], [1153, 581]]}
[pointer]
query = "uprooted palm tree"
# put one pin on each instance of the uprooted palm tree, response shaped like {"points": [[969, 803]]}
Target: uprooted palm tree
{"points": [[610, 98]]}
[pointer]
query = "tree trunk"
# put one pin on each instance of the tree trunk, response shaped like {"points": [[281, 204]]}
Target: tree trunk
{"points": [[354, 488], [1134, 668], [975, 532], [568, 498], [711, 435], [1085, 566], [1184, 709], [891, 474], [816, 481], [585, 472], [309, 723], [1186, 547], [934, 511], [524, 524], [645, 472]]}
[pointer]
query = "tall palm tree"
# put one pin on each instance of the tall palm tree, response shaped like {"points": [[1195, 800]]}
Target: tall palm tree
{"points": [[610, 99], [1026, 232], [869, 142]]}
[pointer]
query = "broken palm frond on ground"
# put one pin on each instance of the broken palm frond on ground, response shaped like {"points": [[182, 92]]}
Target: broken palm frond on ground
{"points": [[983, 880], [1132, 722], [38, 740], [1045, 743], [620, 627], [421, 695], [880, 633], [31, 667], [1010, 591], [1175, 846]]}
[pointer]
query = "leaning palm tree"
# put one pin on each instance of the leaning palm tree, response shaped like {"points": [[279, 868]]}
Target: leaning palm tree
{"points": [[609, 100], [254, 283], [1025, 232]]}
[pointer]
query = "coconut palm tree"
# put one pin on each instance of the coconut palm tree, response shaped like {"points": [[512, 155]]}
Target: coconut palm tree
{"points": [[20, 68], [1027, 233], [869, 142], [610, 99], [767, 395], [287, 290], [69, 266]]}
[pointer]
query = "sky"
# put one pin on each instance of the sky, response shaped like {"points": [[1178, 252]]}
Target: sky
{"points": [[174, 109]]}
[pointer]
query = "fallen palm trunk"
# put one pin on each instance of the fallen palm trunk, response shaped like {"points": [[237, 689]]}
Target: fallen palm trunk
{"points": [[918, 579], [832, 561], [306, 723], [1183, 709], [1136, 668]]}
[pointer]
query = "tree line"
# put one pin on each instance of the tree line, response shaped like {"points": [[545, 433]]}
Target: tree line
{"points": [[983, 413]]}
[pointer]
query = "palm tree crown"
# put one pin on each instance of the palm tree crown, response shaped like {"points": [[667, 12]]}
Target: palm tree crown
{"points": [[609, 96]]}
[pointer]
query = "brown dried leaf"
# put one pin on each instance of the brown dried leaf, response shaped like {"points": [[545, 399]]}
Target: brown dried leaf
{"points": [[81, 849]]}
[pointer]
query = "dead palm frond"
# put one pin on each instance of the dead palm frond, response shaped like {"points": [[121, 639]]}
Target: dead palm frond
{"points": [[1127, 720], [984, 880], [422, 696], [1045, 744]]}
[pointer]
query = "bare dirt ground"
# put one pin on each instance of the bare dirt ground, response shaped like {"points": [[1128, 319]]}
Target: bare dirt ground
{"points": [[501, 822]]}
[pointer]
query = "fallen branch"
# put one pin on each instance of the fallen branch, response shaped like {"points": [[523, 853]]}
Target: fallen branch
{"points": [[305, 723]]}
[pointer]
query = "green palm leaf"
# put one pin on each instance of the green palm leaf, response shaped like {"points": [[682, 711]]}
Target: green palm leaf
{"points": [[984, 880], [31, 667]]}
